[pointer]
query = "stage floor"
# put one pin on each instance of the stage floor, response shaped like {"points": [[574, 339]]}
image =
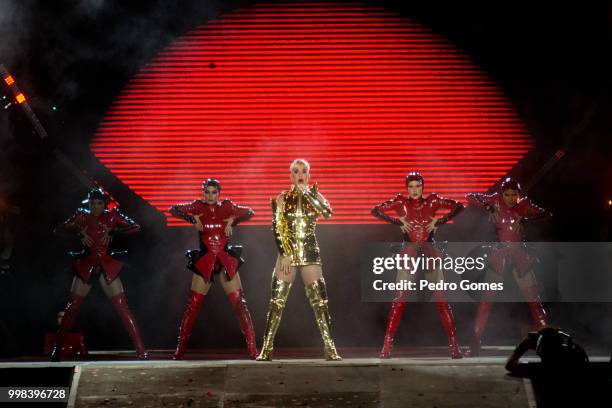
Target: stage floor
{"points": [[415, 378]]}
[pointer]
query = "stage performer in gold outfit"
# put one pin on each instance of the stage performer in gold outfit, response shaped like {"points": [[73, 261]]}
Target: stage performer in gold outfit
{"points": [[295, 214]]}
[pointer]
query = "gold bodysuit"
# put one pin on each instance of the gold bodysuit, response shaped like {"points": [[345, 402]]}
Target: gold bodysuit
{"points": [[294, 226]]}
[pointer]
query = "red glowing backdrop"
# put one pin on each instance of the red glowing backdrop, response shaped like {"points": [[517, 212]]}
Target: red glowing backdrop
{"points": [[362, 93]]}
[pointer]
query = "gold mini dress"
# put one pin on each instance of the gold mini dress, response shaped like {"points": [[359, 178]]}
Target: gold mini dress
{"points": [[294, 225]]}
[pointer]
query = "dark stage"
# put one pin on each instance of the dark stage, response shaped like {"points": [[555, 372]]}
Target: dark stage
{"points": [[415, 377]]}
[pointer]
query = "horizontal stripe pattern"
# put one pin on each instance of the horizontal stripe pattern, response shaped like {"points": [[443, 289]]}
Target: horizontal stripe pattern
{"points": [[362, 93]]}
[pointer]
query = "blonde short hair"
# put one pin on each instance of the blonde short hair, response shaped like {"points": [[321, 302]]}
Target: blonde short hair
{"points": [[303, 162]]}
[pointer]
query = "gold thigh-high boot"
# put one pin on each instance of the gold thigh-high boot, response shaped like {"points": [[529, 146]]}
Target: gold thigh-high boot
{"points": [[317, 295], [278, 300]]}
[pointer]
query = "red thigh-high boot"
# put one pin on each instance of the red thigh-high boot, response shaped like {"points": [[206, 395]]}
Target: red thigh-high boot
{"points": [[393, 322], [191, 312], [482, 315], [448, 322], [71, 312], [535, 306], [129, 323], [239, 306]]}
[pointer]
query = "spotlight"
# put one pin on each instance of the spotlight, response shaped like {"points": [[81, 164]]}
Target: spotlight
{"points": [[40, 130]]}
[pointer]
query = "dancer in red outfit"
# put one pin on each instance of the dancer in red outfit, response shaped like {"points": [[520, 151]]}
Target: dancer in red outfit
{"points": [[214, 221], [509, 211], [96, 227], [416, 217]]}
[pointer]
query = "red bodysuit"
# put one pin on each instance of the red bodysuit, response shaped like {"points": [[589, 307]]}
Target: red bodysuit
{"points": [[110, 221], [509, 224], [418, 213], [214, 250]]}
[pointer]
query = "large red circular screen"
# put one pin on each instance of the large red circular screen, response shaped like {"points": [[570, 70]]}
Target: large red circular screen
{"points": [[362, 93]]}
